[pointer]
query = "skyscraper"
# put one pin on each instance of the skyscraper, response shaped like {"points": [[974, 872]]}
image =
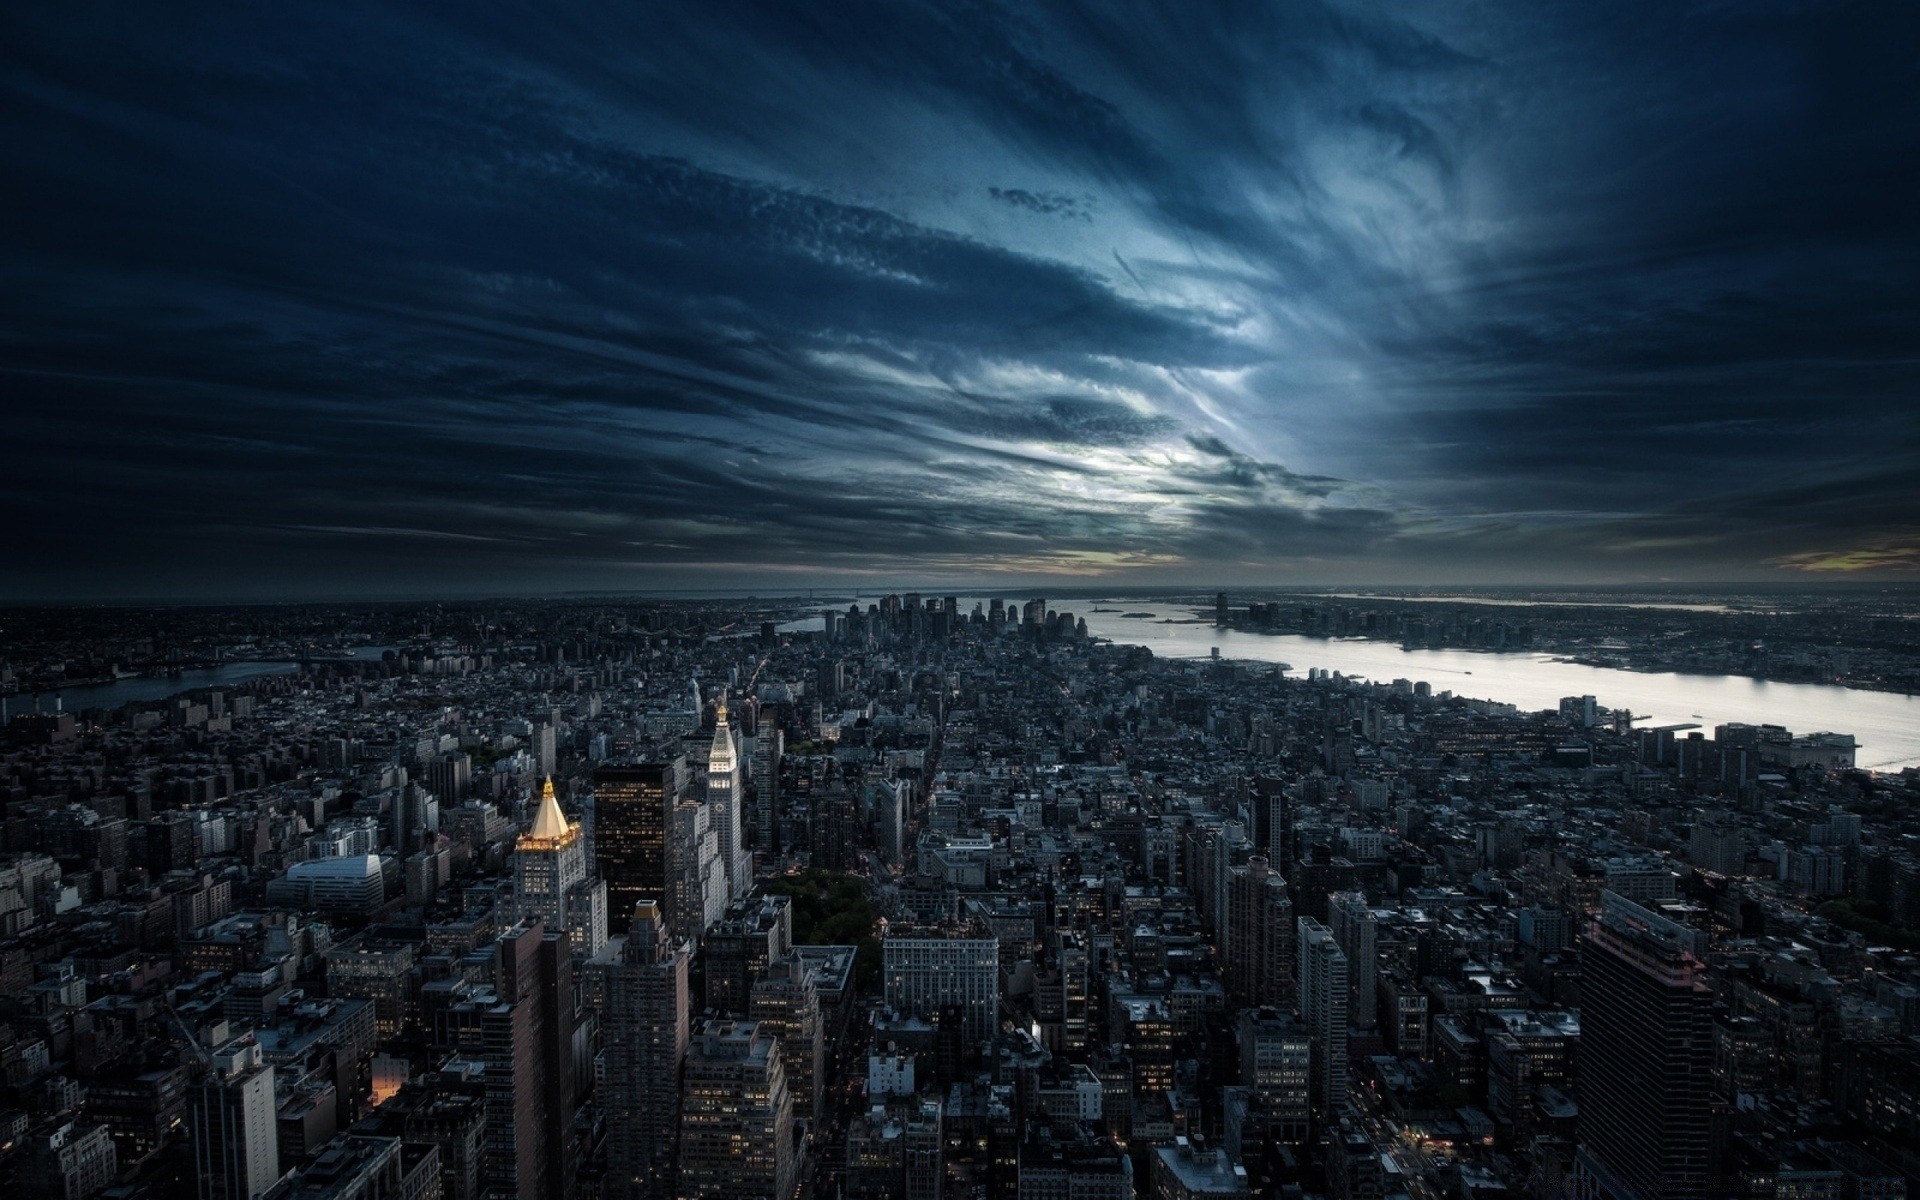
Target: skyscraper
{"points": [[550, 878], [753, 934], [769, 747], [786, 1004], [1259, 936], [697, 880], [723, 797], [736, 1117], [638, 984], [1354, 927], [1646, 1056], [1323, 1002], [527, 1032], [540, 743], [632, 803], [236, 1146]]}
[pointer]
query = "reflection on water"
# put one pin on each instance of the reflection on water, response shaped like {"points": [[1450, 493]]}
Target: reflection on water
{"points": [[128, 691], [1886, 725]]}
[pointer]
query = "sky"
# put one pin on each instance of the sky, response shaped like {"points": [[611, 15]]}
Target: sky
{"points": [[389, 299]]}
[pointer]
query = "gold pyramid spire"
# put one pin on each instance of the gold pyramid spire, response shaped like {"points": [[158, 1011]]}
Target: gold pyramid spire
{"points": [[549, 823]]}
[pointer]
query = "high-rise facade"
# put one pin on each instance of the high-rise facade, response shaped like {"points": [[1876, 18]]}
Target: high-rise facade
{"points": [[527, 1036], [736, 1116], [724, 800], [638, 985], [1354, 927], [769, 748], [1259, 936], [1324, 1005], [236, 1146], [1646, 1057], [786, 1004], [697, 879], [632, 805], [927, 970], [753, 934], [1276, 1066], [550, 879]]}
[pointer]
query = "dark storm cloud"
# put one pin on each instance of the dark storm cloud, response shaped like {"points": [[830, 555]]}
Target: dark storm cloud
{"points": [[384, 298]]}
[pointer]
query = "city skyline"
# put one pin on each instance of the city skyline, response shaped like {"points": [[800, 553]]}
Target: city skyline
{"points": [[388, 302]]}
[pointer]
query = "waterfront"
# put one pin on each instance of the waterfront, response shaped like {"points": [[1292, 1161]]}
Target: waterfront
{"points": [[142, 689], [1886, 724]]}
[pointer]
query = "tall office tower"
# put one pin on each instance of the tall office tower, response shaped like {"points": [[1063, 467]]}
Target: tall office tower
{"points": [[925, 970], [736, 1118], [723, 797], [1216, 848], [528, 1040], [1259, 936], [887, 798], [550, 879], [697, 882], [1323, 1002], [416, 814], [1220, 609], [450, 777], [769, 747], [1062, 992], [631, 806], [1354, 926], [1273, 821], [786, 1004], [1276, 1065], [236, 1142], [753, 934], [1646, 1038], [541, 745], [638, 985]]}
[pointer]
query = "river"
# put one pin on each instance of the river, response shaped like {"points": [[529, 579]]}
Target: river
{"points": [[141, 689], [1885, 724], [144, 689]]}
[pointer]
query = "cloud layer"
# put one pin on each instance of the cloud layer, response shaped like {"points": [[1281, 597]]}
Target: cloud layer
{"points": [[378, 299]]}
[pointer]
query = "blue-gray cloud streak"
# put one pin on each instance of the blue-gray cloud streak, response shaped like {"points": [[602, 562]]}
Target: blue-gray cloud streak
{"points": [[386, 298]]}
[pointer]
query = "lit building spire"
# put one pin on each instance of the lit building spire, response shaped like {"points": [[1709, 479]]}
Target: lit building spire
{"points": [[550, 828]]}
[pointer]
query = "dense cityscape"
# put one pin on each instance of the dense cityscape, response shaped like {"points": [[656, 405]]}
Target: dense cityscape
{"points": [[631, 899], [960, 600]]}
